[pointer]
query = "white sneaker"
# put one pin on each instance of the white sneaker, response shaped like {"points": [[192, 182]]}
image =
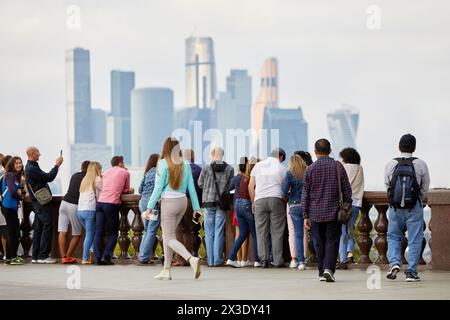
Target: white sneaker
{"points": [[195, 265], [233, 264], [246, 264], [322, 278], [301, 266], [163, 275], [293, 264], [34, 261], [46, 261], [257, 264]]}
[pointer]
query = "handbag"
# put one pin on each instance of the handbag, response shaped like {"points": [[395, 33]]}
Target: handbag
{"points": [[345, 208], [224, 198], [43, 195]]}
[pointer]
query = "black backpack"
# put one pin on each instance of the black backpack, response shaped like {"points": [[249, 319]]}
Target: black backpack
{"points": [[404, 190]]}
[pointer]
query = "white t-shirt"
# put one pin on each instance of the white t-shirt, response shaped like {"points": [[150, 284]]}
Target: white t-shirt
{"points": [[269, 175], [88, 199]]}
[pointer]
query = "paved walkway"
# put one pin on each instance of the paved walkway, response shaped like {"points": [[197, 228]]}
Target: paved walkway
{"points": [[135, 282]]}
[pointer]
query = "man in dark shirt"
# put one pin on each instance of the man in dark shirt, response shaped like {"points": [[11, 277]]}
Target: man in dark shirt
{"points": [[187, 231], [320, 203], [68, 214], [43, 219]]}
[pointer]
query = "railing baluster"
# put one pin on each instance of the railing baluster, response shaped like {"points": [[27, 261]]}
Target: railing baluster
{"points": [[124, 240], [364, 240], [138, 227], [381, 226], [25, 226]]}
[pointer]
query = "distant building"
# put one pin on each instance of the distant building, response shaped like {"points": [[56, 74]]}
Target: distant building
{"points": [[122, 83], [200, 73], [110, 130], [268, 94], [98, 126], [291, 130], [89, 151], [343, 127], [78, 96], [151, 122], [234, 105]]}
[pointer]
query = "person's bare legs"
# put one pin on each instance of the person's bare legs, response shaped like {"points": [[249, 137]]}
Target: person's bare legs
{"points": [[72, 245], [62, 243]]}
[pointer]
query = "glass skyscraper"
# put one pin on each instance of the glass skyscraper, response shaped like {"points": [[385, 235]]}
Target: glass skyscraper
{"points": [[151, 122], [122, 83], [343, 127], [78, 95], [200, 73], [291, 130]]}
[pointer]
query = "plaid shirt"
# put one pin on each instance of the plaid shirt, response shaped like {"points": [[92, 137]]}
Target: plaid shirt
{"points": [[320, 196]]}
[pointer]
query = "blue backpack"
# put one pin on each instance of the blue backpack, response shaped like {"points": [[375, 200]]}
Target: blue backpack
{"points": [[404, 190]]}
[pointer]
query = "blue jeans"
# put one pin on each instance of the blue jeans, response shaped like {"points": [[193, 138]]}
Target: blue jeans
{"points": [[214, 223], [107, 213], [297, 221], [399, 221], [246, 223], [350, 246], [87, 219], [148, 239]]}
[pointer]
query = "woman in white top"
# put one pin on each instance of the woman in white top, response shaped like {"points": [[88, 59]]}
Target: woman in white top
{"points": [[351, 161], [90, 188]]}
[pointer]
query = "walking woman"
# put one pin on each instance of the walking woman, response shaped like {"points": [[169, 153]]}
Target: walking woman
{"points": [[12, 195], [150, 226], [90, 188], [292, 188], [245, 217], [173, 178], [351, 161]]}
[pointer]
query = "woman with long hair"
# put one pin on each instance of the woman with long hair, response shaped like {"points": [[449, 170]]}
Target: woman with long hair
{"points": [[12, 195], [150, 226], [90, 188], [173, 178], [292, 190]]}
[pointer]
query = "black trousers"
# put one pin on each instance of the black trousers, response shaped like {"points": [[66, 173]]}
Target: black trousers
{"points": [[328, 234], [42, 231], [13, 232]]}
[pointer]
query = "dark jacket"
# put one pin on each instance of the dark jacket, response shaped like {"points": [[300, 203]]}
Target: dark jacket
{"points": [[73, 193], [38, 179], [224, 174], [196, 170]]}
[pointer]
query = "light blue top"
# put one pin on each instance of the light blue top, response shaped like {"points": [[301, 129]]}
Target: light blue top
{"points": [[162, 184]]}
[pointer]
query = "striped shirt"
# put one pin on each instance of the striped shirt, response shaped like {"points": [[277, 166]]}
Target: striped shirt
{"points": [[320, 196]]}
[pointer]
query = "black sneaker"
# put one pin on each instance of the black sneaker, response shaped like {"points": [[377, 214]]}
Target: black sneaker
{"points": [[328, 274], [392, 273], [412, 276], [107, 262]]}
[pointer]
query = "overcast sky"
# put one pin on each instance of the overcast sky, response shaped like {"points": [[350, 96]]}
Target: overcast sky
{"points": [[397, 76]]}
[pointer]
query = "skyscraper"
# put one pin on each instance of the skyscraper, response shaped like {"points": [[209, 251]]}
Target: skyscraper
{"points": [[98, 126], [291, 130], [233, 110], [343, 127], [200, 73], [122, 83], [268, 94], [151, 122], [78, 95]]}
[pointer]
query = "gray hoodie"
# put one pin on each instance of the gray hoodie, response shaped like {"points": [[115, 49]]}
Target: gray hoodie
{"points": [[224, 175]]}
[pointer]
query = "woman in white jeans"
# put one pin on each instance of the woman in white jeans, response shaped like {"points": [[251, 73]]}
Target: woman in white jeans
{"points": [[173, 178]]}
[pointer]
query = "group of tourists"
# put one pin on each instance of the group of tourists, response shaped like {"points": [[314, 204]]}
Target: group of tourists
{"points": [[265, 197]]}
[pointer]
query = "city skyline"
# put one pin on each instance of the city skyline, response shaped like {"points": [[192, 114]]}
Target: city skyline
{"points": [[327, 57]]}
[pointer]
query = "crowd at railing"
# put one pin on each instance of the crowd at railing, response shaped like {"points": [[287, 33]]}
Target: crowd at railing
{"points": [[318, 201]]}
